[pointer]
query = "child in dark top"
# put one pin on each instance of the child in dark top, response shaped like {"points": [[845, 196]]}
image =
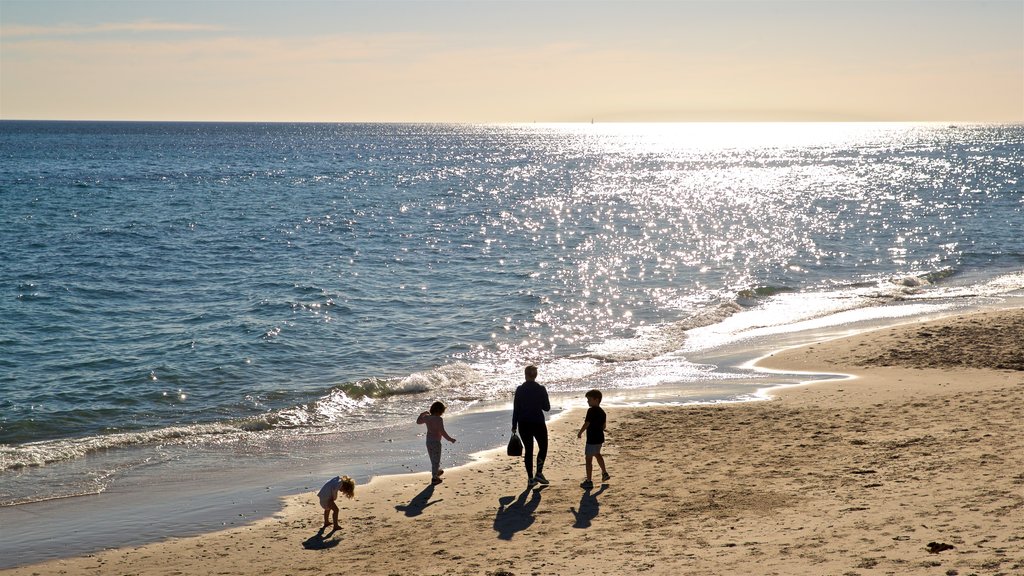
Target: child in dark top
{"points": [[435, 431], [594, 425]]}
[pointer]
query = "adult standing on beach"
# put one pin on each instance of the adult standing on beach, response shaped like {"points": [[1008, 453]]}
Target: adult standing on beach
{"points": [[528, 407]]}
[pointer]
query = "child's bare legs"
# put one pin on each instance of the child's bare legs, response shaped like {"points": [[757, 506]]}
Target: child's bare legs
{"points": [[590, 465], [327, 513], [434, 452]]}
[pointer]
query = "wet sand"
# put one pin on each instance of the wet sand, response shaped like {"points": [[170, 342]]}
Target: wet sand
{"points": [[915, 466]]}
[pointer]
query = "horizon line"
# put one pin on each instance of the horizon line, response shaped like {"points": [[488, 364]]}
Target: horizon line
{"points": [[508, 122]]}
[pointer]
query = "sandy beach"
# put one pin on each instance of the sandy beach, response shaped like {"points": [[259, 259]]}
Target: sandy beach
{"points": [[913, 466]]}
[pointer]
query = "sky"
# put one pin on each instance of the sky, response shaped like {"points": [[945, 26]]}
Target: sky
{"points": [[513, 61]]}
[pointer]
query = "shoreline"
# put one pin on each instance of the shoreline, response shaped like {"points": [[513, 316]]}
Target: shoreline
{"points": [[852, 476], [211, 489]]}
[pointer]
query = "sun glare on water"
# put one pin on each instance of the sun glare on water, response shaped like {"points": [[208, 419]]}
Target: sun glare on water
{"points": [[658, 138]]}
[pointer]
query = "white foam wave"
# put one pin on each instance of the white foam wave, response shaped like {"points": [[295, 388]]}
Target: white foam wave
{"points": [[448, 377], [797, 311], [653, 341], [999, 286], [50, 451], [728, 321], [324, 411]]}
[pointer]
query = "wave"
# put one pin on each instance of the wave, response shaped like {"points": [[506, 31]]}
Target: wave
{"points": [[764, 306], [1012, 282], [895, 287], [33, 454], [939, 275], [651, 342], [942, 284], [790, 305], [329, 411], [909, 283], [449, 376], [763, 292], [347, 399]]}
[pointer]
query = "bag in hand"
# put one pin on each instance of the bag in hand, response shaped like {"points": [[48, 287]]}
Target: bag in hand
{"points": [[515, 445]]}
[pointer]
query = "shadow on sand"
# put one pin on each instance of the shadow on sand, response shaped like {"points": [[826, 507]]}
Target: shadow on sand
{"points": [[321, 541], [516, 514], [418, 503], [588, 508]]}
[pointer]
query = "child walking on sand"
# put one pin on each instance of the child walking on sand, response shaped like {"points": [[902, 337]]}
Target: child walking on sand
{"points": [[435, 431], [594, 425], [329, 493]]}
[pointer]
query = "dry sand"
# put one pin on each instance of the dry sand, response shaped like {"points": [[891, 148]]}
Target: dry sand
{"points": [[859, 476]]}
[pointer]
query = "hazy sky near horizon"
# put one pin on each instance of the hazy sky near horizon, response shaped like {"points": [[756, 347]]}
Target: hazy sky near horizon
{"points": [[513, 61]]}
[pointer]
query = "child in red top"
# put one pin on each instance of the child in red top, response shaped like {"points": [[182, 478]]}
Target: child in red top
{"points": [[435, 431]]}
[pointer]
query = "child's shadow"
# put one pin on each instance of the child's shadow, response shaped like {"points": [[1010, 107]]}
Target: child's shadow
{"points": [[419, 502], [321, 541], [516, 514], [588, 508]]}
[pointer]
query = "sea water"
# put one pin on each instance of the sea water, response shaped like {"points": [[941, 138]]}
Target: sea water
{"points": [[200, 317]]}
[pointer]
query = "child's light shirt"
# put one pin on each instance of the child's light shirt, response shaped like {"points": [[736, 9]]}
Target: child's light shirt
{"points": [[435, 426], [330, 490]]}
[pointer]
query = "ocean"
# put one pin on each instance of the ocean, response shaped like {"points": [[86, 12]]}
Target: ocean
{"points": [[198, 318]]}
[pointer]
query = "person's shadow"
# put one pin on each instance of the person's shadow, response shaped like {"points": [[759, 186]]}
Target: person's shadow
{"points": [[516, 514], [321, 541], [588, 508], [418, 503]]}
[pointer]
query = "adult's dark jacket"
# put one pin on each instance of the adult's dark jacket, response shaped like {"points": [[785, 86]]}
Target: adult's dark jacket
{"points": [[529, 404]]}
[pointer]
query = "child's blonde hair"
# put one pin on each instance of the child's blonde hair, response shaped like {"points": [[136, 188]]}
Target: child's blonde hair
{"points": [[347, 487]]}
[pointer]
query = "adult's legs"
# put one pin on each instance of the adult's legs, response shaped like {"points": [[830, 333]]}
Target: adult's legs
{"points": [[541, 433], [530, 432], [526, 434]]}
